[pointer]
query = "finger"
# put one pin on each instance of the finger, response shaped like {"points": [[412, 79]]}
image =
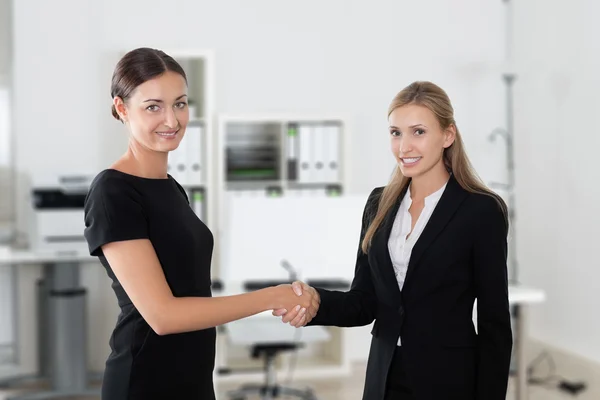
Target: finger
{"points": [[297, 286], [291, 315], [316, 301], [279, 312], [298, 318], [303, 321], [316, 295], [315, 310], [313, 313]]}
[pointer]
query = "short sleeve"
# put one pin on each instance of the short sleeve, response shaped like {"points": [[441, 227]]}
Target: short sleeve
{"points": [[113, 212]]}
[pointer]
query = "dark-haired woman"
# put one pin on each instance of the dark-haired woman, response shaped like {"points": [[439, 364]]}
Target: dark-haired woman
{"points": [[156, 251]]}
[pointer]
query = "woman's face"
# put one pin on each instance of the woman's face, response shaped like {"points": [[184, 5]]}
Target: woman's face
{"points": [[157, 113], [417, 139]]}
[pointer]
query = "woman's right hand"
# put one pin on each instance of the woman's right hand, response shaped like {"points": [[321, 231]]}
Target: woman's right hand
{"points": [[285, 298]]}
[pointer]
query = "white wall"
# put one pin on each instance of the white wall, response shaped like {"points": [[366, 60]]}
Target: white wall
{"points": [[5, 40], [347, 57], [557, 141], [6, 334]]}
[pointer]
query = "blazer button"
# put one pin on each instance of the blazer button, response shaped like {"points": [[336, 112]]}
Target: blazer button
{"points": [[401, 311]]}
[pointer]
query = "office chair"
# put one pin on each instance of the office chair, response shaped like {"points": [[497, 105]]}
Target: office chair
{"points": [[270, 389]]}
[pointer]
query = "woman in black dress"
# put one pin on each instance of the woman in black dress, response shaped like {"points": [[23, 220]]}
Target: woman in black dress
{"points": [[157, 252]]}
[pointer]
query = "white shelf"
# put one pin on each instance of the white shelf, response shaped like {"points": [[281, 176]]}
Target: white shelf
{"points": [[275, 145]]}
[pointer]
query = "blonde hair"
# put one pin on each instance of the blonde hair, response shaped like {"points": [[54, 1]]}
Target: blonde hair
{"points": [[456, 161]]}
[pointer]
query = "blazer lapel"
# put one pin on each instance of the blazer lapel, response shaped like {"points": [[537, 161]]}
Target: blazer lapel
{"points": [[380, 245], [451, 199]]}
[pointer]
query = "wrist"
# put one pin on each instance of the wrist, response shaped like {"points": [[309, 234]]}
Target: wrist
{"points": [[268, 298]]}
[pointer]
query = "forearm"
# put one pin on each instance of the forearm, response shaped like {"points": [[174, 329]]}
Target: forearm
{"points": [[185, 314], [495, 342], [345, 309], [493, 370], [493, 310]]}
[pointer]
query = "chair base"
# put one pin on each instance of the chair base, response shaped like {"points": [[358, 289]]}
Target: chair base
{"points": [[268, 393]]}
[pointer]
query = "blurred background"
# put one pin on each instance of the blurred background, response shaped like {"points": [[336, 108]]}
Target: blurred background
{"points": [[287, 139]]}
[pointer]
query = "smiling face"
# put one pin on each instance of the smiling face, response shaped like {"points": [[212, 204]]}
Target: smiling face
{"points": [[418, 141], [156, 112]]}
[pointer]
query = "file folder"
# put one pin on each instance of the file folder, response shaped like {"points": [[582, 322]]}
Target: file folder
{"points": [[319, 143], [174, 166], [178, 161], [305, 142], [292, 152], [197, 203], [194, 137], [332, 149]]}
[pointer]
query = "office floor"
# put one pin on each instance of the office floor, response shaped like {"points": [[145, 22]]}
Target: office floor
{"points": [[351, 388]]}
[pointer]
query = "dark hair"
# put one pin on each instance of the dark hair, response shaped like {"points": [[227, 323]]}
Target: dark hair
{"points": [[138, 66]]}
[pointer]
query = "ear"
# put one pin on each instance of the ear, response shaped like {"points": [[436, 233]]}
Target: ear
{"points": [[449, 136], [120, 107]]}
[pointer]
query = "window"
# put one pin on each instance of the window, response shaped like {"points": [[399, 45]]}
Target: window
{"points": [[4, 128], [6, 192]]}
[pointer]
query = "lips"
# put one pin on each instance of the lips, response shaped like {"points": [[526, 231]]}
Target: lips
{"points": [[409, 160], [168, 134]]}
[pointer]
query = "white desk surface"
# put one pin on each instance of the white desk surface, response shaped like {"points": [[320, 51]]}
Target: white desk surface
{"points": [[8, 371], [520, 294], [517, 294], [9, 255], [266, 330]]}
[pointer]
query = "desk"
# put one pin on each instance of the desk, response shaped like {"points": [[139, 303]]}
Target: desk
{"points": [[232, 365], [270, 330], [62, 345], [520, 297]]}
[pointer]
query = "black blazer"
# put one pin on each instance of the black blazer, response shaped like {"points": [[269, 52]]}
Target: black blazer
{"points": [[460, 256]]}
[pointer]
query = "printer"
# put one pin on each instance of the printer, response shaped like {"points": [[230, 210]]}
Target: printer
{"points": [[57, 223]]}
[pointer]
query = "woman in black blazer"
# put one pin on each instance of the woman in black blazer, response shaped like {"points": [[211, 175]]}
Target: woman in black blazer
{"points": [[432, 241]]}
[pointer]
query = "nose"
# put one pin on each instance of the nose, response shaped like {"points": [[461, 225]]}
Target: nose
{"points": [[170, 119], [405, 146]]}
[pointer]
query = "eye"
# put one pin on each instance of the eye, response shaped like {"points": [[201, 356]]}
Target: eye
{"points": [[419, 132], [153, 108], [395, 133], [181, 104]]}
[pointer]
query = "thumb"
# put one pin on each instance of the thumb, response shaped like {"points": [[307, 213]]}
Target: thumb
{"points": [[279, 312], [297, 286]]}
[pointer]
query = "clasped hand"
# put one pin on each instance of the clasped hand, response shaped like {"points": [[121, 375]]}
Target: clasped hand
{"points": [[299, 305]]}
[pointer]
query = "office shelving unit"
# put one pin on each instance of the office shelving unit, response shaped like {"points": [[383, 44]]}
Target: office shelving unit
{"points": [[281, 153], [275, 157], [190, 163]]}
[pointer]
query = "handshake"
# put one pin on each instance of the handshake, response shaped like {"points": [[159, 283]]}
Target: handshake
{"points": [[297, 303]]}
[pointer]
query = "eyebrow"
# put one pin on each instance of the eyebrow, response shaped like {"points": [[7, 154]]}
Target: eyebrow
{"points": [[412, 126], [160, 101]]}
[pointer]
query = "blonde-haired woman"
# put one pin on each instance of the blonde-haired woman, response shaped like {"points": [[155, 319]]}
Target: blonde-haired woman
{"points": [[432, 241]]}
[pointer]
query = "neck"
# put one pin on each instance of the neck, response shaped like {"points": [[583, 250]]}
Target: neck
{"points": [[428, 183], [146, 163]]}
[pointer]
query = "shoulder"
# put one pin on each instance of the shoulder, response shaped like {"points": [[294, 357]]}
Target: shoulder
{"points": [[110, 183], [486, 202], [489, 208], [376, 194], [180, 188], [374, 197], [372, 203]]}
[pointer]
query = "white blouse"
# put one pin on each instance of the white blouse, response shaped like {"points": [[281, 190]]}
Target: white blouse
{"points": [[399, 246]]}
